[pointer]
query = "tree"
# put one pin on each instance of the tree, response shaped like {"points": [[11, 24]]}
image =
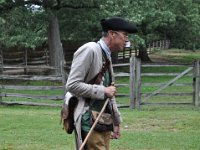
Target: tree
{"points": [[186, 31], [165, 19], [79, 21], [28, 20], [27, 27]]}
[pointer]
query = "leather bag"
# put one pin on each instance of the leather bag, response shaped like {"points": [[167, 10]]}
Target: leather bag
{"points": [[105, 123], [67, 114]]}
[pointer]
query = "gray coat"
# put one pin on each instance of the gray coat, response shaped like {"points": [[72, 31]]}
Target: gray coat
{"points": [[86, 64]]}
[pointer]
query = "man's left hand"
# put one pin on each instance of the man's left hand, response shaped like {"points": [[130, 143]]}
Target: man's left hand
{"points": [[116, 132]]}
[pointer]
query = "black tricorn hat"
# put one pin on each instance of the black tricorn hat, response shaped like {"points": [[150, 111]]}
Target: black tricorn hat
{"points": [[118, 24]]}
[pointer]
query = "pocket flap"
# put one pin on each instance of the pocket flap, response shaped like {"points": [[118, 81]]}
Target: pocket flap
{"points": [[105, 118]]}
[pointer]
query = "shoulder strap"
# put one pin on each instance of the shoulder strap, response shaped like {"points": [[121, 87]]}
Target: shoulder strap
{"points": [[105, 58], [98, 78]]}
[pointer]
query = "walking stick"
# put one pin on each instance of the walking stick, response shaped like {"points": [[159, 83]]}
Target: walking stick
{"points": [[102, 110], [98, 117]]}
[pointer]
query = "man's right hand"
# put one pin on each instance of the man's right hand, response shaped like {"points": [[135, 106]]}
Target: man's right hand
{"points": [[110, 91]]}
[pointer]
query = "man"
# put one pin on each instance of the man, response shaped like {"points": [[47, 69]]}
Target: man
{"points": [[87, 63]]}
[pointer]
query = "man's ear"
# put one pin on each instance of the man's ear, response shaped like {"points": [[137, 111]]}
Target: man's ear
{"points": [[111, 33]]}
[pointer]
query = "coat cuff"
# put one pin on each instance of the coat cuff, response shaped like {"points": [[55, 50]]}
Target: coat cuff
{"points": [[117, 119], [98, 92]]}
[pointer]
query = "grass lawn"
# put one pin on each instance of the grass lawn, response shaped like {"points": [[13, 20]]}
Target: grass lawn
{"points": [[156, 128], [150, 128], [178, 56]]}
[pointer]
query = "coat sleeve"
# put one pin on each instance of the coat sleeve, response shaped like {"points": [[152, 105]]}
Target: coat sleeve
{"points": [[116, 114], [117, 119], [81, 65]]}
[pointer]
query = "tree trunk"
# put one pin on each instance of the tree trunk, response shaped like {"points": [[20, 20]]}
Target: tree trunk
{"points": [[143, 55], [55, 46]]}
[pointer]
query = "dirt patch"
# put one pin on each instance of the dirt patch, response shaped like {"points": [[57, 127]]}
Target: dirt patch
{"points": [[156, 58]]}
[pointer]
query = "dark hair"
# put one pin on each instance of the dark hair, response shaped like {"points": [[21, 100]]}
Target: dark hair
{"points": [[104, 33]]}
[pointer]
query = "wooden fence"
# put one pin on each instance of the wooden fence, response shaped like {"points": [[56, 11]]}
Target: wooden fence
{"points": [[139, 98], [156, 45], [188, 93], [40, 99], [33, 95], [24, 61], [1, 62], [38, 60], [134, 74], [161, 44]]}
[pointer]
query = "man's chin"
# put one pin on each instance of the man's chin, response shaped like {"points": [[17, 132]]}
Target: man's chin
{"points": [[122, 48], [119, 49]]}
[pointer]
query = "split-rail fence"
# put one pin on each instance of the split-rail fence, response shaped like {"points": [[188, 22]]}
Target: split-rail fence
{"points": [[189, 89], [133, 81]]}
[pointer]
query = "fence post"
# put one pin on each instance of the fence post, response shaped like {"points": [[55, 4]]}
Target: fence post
{"points": [[138, 82], [198, 82], [195, 72], [1, 61], [132, 82], [0, 94], [63, 74], [163, 45], [160, 44], [149, 48], [157, 44], [46, 56], [153, 46], [26, 63]]}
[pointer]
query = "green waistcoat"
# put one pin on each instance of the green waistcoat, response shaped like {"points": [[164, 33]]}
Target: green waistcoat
{"points": [[96, 105]]}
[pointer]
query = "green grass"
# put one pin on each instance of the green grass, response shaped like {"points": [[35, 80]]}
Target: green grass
{"points": [[31, 128], [159, 128], [32, 92], [180, 56], [34, 100], [163, 69], [152, 127], [35, 92], [32, 83]]}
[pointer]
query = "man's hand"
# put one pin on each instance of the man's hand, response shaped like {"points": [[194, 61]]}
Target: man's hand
{"points": [[110, 91], [116, 132]]}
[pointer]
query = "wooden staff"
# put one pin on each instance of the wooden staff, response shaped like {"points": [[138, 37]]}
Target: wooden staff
{"points": [[98, 117], [102, 110]]}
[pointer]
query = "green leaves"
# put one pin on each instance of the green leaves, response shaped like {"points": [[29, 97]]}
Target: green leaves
{"points": [[25, 23], [2, 1], [26, 29]]}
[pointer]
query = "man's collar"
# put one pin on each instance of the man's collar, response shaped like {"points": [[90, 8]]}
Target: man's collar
{"points": [[105, 48]]}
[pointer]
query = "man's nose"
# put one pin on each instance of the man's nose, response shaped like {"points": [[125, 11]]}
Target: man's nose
{"points": [[128, 44]]}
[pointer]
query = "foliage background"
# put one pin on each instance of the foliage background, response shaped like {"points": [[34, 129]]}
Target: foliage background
{"points": [[25, 23]]}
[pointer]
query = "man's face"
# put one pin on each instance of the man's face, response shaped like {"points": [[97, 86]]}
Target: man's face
{"points": [[119, 39]]}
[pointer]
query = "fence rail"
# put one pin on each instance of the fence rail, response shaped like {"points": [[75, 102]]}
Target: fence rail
{"points": [[138, 98], [191, 71], [33, 95], [24, 59], [136, 95], [161, 44], [125, 55]]}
